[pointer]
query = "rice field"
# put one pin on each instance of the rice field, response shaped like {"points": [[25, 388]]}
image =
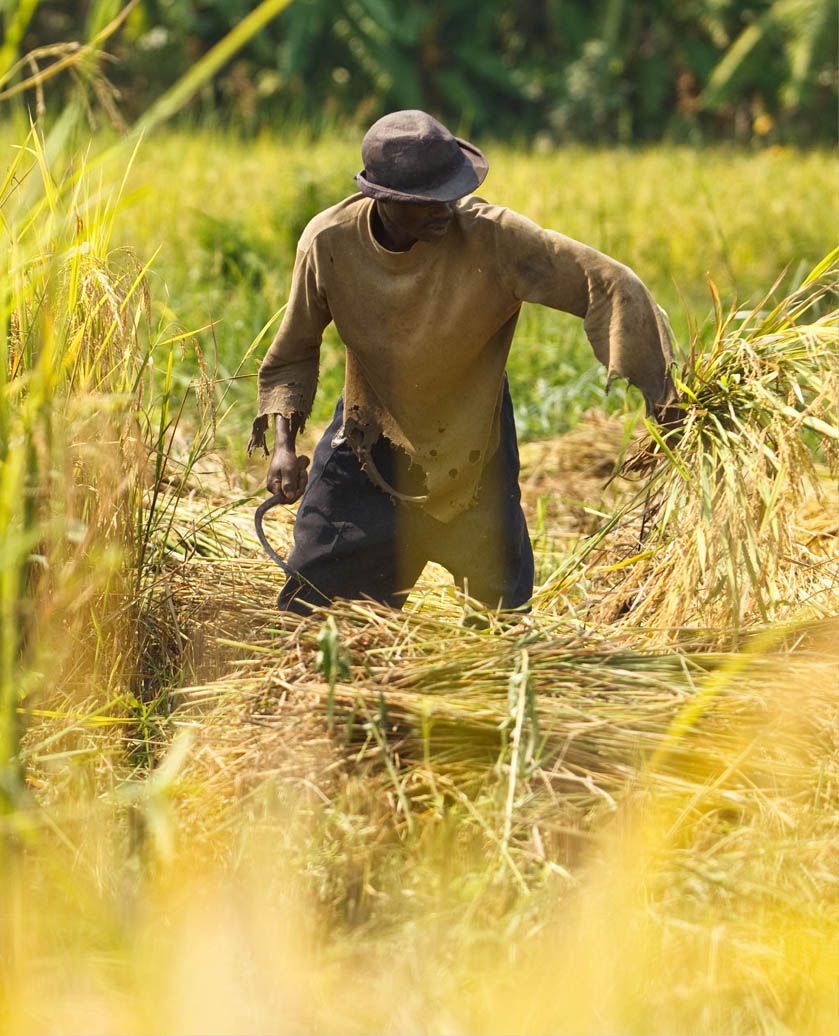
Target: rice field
{"points": [[615, 815], [226, 216]]}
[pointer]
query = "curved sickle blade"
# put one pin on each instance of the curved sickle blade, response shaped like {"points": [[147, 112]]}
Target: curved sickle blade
{"points": [[261, 511]]}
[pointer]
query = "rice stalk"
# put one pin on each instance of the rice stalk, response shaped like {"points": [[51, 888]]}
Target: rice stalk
{"points": [[734, 520]]}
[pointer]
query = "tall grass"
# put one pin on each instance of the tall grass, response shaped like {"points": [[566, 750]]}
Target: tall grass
{"points": [[84, 428], [72, 315]]}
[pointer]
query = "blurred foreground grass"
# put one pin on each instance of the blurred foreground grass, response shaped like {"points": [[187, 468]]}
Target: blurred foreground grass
{"points": [[271, 876], [211, 821]]}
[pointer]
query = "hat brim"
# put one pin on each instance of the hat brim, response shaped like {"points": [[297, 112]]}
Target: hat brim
{"points": [[468, 177]]}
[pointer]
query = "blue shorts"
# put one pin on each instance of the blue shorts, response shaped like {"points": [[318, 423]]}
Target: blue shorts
{"points": [[353, 540]]}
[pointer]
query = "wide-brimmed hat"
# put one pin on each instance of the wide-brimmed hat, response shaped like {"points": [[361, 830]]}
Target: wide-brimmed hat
{"points": [[410, 156]]}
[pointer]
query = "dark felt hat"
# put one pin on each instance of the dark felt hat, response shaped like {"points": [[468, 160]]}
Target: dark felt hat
{"points": [[410, 156]]}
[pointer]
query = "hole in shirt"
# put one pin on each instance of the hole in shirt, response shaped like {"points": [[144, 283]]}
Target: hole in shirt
{"points": [[433, 453], [453, 473], [397, 469], [474, 456]]}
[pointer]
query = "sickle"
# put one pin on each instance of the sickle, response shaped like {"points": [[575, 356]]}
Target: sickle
{"points": [[369, 466], [352, 434], [264, 507]]}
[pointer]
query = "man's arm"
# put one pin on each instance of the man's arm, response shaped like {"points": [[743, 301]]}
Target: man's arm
{"points": [[288, 379], [624, 325]]}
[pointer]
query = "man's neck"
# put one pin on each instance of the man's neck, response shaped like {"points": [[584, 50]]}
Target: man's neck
{"points": [[389, 236]]}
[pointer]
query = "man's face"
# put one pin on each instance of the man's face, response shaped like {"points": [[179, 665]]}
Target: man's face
{"points": [[424, 221]]}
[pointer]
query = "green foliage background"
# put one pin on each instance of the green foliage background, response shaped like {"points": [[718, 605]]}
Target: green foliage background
{"points": [[599, 71]]}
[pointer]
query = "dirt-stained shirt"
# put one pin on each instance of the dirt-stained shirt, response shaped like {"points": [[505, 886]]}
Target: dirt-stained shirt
{"points": [[427, 333]]}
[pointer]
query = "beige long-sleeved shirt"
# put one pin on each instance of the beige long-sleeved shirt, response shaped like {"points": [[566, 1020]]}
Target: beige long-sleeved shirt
{"points": [[428, 331]]}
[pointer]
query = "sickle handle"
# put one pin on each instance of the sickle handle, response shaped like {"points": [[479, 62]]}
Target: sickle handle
{"points": [[376, 477], [264, 507], [352, 434]]}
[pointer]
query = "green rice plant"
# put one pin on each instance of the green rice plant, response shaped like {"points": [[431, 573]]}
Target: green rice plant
{"points": [[103, 23], [717, 534]]}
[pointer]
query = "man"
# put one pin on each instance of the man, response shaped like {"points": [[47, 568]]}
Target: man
{"points": [[424, 282]]}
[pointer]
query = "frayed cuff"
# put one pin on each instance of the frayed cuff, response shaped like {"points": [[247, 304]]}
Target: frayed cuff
{"points": [[257, 439]]}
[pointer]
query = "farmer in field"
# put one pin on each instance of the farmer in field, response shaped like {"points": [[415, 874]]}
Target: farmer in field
{"points": [[425, 282]]}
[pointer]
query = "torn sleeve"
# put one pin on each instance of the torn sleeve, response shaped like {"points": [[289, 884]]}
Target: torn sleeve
{"points": [[625, 327], [288, 375]]}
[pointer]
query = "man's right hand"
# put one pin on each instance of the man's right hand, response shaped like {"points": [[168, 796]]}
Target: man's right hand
{"points": [[287, 474]]}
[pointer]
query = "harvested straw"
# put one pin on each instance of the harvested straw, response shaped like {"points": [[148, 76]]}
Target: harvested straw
{"points": [[555, 723], [734, 522], [590, 712]]}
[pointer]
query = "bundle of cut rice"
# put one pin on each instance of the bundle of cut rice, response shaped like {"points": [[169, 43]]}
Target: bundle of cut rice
{"points": [[735, 519]]}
